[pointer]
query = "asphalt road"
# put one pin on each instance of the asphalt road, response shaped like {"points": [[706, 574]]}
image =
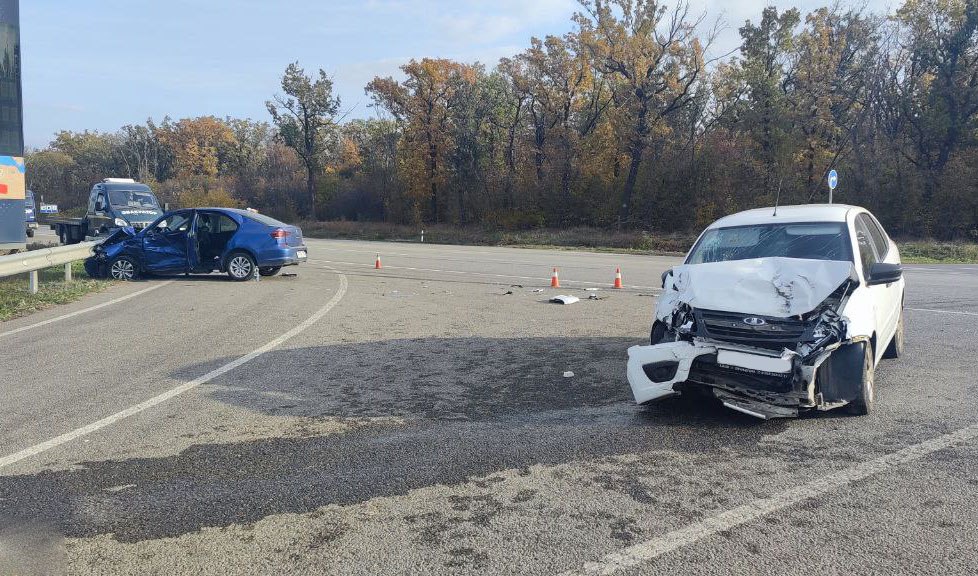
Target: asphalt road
{"points": [[416, 420]]}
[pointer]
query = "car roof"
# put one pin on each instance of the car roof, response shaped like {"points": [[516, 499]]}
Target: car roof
{"points": [[800, 213], [126, 186]]}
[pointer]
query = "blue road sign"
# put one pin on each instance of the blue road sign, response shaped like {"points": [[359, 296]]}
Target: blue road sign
{"points": [[833, 179]]}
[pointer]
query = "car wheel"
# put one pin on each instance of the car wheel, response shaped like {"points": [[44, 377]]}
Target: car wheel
{"points": [[269, 270], [658, 335], [241, 266], [123, 268], [895, 349], [30, 232], [866, 398]]}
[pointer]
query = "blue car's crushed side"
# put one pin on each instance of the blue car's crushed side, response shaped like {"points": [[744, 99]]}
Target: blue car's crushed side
{"points": [[272, 244]]}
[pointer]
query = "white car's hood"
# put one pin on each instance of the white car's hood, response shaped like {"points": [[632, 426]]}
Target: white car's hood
{"points": [[777, 287]]}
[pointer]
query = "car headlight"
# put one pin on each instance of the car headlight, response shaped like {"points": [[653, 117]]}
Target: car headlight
{"points": [[121, 222]]}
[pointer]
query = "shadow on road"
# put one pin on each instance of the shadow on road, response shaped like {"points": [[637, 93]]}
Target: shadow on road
{"points": [[472, 406]]}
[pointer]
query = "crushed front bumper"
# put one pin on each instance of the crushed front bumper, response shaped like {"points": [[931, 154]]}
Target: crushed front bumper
{"points": [[756, 382]]}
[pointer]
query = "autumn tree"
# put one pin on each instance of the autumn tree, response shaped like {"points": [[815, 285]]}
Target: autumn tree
{"points": [[942, 70], [835, 53], [767, 74], [200, 146], [306, 120], [656, 57], [425, 102]]}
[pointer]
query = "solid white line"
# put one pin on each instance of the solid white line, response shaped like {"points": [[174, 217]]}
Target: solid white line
{"points": [[944, 311], [174, 392], [508, 276], [651, 549], [85, 311]]}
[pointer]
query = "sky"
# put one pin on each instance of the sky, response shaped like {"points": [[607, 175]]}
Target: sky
{"points": [[102, 64]]}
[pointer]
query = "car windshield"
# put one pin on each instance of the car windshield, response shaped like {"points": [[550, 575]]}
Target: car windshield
{"points": [[812, 241], [133, 199]]}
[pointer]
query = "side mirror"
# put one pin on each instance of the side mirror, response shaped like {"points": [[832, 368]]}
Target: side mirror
{"points": [[664, 274], [881, 273]]}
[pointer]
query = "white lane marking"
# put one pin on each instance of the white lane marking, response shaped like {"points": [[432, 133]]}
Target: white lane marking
{"points": [[961, 313], [85, 311], [174, 392], [651, 549], [508, 276]]}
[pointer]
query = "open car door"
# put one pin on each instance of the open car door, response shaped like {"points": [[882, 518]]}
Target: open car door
{"points": [[166, 245]]}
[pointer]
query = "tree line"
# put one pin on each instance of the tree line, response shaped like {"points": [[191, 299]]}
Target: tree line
{"points": [[630, 120]]}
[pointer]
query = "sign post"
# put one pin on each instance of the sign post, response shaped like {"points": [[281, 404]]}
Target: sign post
{"points": [[833, 182], [13, 187]]}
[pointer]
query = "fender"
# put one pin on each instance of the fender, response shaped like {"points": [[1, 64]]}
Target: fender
{"points": [[839, 378]]}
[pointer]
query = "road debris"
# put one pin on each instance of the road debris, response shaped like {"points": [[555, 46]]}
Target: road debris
{"points": [[568, 374], [564, 299]]}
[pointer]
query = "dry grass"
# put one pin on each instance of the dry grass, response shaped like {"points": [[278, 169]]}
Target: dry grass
{"points": [[581, 237]]}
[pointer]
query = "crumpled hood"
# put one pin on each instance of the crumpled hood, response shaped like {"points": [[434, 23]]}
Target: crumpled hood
{"points": [[776, 287]]}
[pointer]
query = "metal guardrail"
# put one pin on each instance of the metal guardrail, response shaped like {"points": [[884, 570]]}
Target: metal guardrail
{"points": [[32, 261]]}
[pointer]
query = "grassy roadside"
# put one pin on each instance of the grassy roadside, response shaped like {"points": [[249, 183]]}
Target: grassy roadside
{"points": [[597, 239], [16, 301], [591, 239], [932, 252]]}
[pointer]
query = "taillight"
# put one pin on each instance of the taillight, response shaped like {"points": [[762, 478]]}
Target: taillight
{"points": [[279, 234]]}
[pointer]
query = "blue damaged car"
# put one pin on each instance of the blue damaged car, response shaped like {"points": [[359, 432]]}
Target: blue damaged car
{"points": [[240, 243]]}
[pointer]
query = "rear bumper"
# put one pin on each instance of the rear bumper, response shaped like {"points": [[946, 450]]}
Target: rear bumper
{"points": [[289, 256]]}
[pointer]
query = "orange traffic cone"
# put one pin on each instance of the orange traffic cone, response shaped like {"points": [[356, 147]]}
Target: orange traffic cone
{"points": [[377, 263], [618, 285], [555, 280]]}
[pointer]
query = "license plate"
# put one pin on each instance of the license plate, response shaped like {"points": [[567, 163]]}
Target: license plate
{"points": [[301, 253], [752, 363]]}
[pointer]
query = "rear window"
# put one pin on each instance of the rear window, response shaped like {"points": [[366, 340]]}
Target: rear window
{"points": [[266, 220], [811, 241]]}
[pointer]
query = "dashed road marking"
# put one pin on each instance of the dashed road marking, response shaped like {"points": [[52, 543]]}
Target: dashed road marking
{"points": [[959, 312]]}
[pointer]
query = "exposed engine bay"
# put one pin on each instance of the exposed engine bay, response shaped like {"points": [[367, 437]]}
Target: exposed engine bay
{"points": [[768, 337]]}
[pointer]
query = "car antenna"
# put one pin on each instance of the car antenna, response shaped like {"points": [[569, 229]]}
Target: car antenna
{"points": [[777, 199]]}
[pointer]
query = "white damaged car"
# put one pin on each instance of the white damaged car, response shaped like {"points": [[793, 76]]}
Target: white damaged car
{"points": [[776, 312]]}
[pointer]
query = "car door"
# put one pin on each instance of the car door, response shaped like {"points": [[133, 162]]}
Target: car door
{"points": [[100, 217], [885, 311], [894, 290], [166, 245]]}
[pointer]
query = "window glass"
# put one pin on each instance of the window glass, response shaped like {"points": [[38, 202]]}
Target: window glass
{"points": [[867, 252], [179, 222], [226, 224], [877, 235], [133, 199], [812, 241]]}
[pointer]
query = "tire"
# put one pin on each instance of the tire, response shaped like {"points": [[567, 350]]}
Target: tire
{"points": [[269, 270], [63, 237], [30, 232], [866, 399], [123, 269], [240, 266], [895, 349], [658, 335]]}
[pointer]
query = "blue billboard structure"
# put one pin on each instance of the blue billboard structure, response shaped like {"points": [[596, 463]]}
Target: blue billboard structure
{"points": [[12, 178]]}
